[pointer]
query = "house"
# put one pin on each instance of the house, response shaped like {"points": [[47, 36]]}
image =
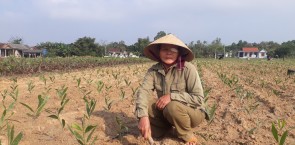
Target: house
{"points": [[252, 52], [18, 50]]}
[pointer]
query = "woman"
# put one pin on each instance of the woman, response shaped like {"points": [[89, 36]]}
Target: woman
{"points": [[179, 100]]}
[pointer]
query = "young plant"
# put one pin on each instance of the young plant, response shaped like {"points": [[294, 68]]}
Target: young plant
{"points": [[83, 133], [127, 82], [99, 86], [62, 96], [122, 94], [10, 134], [6, 115], [78, 82], [275, 132], [108, 103], [14, 90], [209, 110], [90, 106], [31, 86], [122, 128], [43, 79], [52, 78], [41, 103]]}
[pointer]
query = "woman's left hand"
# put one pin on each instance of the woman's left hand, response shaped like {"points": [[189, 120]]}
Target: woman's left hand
{"points": [[163, 101]]}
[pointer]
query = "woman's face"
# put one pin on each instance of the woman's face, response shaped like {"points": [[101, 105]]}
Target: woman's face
{"points": [[168, 53]]}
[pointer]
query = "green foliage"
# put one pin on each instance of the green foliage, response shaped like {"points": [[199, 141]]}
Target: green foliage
{"points": [[108, 103], [90, 106], [10, 134], [122, 129], [287, 49], [41, 103], [209, 110], [12, 65], [99, 86], [31, 86], [83, 133], [62, 95], [230, 81], [159, 35], [275, 132]]}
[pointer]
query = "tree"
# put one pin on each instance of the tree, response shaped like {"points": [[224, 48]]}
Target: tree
{"points": [[159, 35], [16, 40], [87, 46], [140, 45], [216, 47], [287, 49]]}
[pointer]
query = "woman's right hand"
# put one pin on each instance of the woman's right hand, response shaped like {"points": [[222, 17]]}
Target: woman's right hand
{"points": [[144, 127]]}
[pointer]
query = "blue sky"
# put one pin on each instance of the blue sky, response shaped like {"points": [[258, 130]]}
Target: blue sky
{"points": [[37, 21]]}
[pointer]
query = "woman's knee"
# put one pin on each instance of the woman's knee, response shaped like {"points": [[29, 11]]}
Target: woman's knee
{"points": [[173, 109]]}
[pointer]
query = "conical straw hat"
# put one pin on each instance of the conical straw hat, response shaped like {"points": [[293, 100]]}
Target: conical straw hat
{"points": [[153, 49]]}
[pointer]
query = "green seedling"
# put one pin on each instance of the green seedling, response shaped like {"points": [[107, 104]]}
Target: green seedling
{"points": [[43, 79], [14, 90], [115, 76], [83, 133], [99, 86], [78, 82], [52, 78], [41, 103], [31, 86], [276, 92], [10, 134], [90, 106], [275, 132], [62, 92], [127, 82], [6, 115], [209, 110], [122, 94], [122, 129], [108, 103], [62, 96]]}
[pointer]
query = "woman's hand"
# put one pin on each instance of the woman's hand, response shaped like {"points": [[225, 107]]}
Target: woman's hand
{"points": [[144, 127], [163, 101]]}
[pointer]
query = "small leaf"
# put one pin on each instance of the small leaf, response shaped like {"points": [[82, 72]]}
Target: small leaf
{"points": [[283, 138], [53, 116], [63, 122], [76, 126], [90, 135], [27, 106], [275, 132], [88, 128], [17, 139]]}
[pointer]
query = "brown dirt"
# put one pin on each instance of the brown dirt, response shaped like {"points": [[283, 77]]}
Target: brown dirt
{"points": [[232, 123]]}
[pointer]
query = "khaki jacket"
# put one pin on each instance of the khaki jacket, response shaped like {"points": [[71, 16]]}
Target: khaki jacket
{"points": [[183, 86]]}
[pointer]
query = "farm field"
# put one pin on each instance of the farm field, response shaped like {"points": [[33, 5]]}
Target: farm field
{"points": [[249, 96]]}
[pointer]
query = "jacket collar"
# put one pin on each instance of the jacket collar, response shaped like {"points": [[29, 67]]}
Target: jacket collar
{"points": [[160, 68]]}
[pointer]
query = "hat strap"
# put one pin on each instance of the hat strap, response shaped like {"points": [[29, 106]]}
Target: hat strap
{"points": [[180, 63]]}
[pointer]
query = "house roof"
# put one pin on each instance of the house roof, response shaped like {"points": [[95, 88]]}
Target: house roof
{"points": [[32, 51], [250, 49], [14, 46], [19, 46]]}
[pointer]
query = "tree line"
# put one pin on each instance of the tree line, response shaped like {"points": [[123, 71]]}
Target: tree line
{"points": [[87, 46]]}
